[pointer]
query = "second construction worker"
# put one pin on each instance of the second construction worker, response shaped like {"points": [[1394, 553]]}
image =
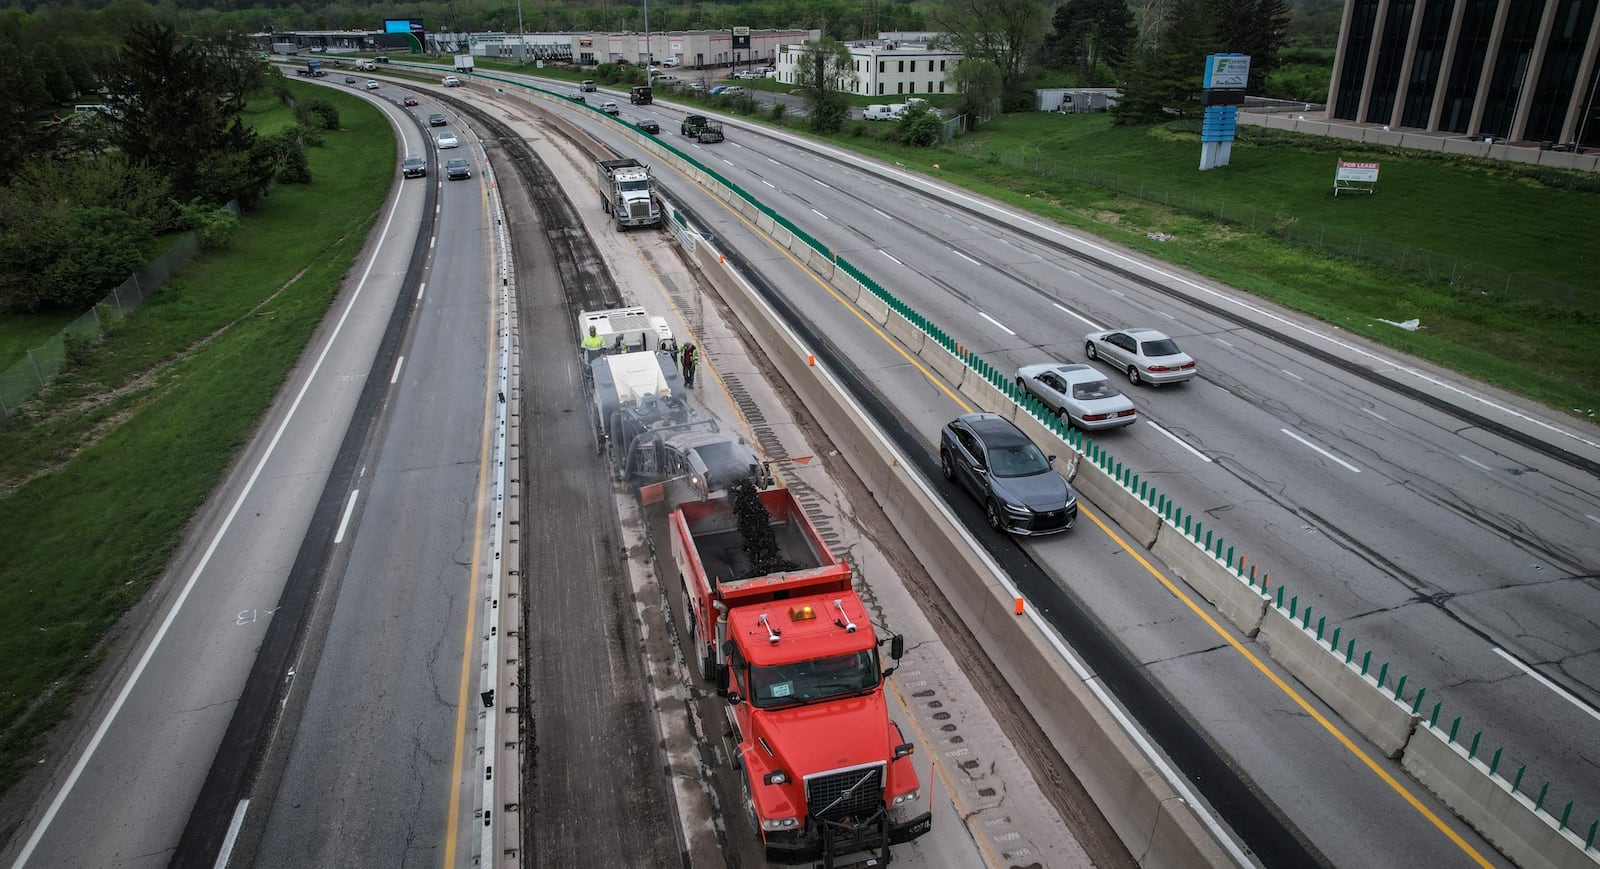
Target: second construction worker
{"points": [[691, 357]]}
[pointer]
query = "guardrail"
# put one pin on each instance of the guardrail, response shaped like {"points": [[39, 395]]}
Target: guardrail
{"points": [[1319, 655]]}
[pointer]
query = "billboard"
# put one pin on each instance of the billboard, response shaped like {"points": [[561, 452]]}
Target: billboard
{"points": [[741, 39], [403, 25]]}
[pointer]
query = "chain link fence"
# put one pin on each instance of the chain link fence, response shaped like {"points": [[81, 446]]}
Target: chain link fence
{"points": [[1490, 280], [24, 379]]}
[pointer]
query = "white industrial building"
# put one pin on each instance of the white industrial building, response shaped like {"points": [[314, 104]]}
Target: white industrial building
{"points": [[692, 49], [887, 66]]}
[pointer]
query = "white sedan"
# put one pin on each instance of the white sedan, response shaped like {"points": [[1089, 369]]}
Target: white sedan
{"points": [[1080, 393], [448, 140], [1146, 355], [372, 85]]}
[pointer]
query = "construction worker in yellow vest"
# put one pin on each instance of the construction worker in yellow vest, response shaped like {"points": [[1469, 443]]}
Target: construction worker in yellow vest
{"points": [[593, 345]]}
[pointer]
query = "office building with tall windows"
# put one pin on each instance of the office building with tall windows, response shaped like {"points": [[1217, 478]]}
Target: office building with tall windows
{"points": [[1512, 70]]}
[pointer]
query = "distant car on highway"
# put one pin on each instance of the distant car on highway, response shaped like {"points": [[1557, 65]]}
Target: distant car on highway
{"points": [[413, 167], [610, 108], [1146, 355], [372, 85], [578, 97], [451, 81], [410, 101], [436, 120], [648, 125], [456, 167], [1078, 392], [448, 140], [349, 79], [992, 459]]}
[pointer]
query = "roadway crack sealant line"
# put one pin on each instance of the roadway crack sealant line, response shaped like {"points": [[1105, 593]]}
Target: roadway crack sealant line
{"points": [[1020, 219], [1175, 780], [205, 559]]}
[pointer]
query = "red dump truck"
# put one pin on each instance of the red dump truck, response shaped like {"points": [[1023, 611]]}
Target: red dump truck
{"points": [[773, 622]]}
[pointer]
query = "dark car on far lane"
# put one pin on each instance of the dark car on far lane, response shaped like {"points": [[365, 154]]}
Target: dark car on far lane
{"points": [[1020, 491]]}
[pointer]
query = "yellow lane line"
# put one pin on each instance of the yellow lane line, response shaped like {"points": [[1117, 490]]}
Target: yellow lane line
{"points": [[453, 820]]}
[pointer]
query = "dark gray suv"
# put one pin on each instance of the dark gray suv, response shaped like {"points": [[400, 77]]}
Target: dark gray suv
{"points": [[1021, 493], [414, 167]]}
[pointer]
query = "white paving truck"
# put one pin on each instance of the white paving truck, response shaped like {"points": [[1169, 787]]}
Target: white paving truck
{"points": [[640, 415]]}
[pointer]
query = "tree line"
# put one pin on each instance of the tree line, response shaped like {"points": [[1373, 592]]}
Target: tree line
{"points": [[1155, 57], [85, 194]]}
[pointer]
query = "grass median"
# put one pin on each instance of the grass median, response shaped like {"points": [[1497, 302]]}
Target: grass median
{"points": [[101, 474]]}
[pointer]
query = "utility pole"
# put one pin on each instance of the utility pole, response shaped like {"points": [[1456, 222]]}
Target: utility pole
{"points": [[522, 38]]}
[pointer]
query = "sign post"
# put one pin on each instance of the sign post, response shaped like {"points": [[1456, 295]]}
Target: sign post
{"points": [[1225, 79], [1355, 178]]}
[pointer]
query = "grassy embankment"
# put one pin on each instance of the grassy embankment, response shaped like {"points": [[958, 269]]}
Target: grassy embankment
{"points": [[100, 474]]}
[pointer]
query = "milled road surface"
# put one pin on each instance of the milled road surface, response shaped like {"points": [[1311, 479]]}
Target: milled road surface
{"points": [[594, 790]]}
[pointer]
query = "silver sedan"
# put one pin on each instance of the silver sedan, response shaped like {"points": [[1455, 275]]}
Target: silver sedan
{"points": [[1146, 355], [1080, 393]]}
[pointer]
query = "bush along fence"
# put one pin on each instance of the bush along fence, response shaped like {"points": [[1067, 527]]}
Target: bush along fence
{"points": [[26, 377], [1365, 693]]}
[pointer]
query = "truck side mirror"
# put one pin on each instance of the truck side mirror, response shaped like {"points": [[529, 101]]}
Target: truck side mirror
{"points": [[897, 647], [735, 698]]}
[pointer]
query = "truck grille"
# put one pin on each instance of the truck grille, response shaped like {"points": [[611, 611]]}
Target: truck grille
{"points": [[850, 793], [639, 208]]}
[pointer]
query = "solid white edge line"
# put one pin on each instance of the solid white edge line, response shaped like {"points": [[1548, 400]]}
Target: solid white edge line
{"points": [[1540, 678], [1085, 320], [398, 364], [997, 323], [891, 257], [344, 521], [228, 841], [1179, 441], [1090, 680], [1324, 452], [205, 559]]}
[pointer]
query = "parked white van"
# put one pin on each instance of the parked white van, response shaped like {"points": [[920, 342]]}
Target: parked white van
{"points": [[879, 113]]}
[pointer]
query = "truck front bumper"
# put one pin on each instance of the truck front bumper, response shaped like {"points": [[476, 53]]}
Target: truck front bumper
{"points": [[813, 846]]}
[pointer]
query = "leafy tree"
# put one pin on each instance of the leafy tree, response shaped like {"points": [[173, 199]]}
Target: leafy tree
{"points": [[1089, 32], [287, 152], [182, 119], [919, 126], [1006, 33], [823, 73], [1258, 28], [1164, 80], [979, 83]]}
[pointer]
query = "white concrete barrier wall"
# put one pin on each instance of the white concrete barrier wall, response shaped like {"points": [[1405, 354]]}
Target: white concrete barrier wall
{"points": [[1531, 839], [1356, 698], [1233, 597]]}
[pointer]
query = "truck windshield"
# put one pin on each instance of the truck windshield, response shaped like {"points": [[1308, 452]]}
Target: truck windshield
{"points": [[809, 681], [635, 185]]}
